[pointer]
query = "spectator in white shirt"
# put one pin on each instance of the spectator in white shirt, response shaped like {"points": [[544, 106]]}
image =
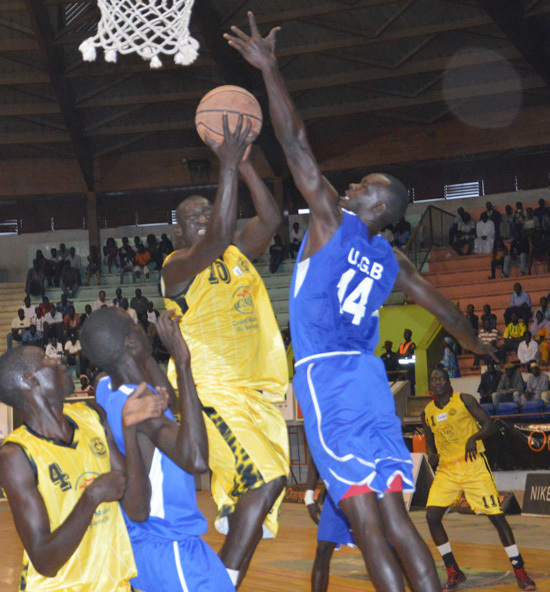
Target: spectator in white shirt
{"points": [[38, 320], [130, 311], [101, 302], [18, 326], [528, 350], [537, 386], [54, 350], [152, 314], [53, 324], [28, 308], [73, 353]]}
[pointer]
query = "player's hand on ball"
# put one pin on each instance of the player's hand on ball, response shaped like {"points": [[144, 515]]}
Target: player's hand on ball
{"points": [[258, 51], [168, 328], [143, 404], [233, 147], [314, 512], [109, 487]]}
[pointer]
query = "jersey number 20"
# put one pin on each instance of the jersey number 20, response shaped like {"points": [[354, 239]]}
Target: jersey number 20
{"points": [[355, 303]]}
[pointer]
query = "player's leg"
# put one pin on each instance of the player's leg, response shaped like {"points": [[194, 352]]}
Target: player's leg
{"points": [[366, 522], [246, 522], [320, 572], [413, 552]]}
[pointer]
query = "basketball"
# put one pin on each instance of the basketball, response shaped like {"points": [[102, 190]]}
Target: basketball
{"points": [[232, 100]]}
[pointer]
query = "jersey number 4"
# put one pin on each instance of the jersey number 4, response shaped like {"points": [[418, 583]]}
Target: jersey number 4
{"points": [[58, 477], [355, 303]]}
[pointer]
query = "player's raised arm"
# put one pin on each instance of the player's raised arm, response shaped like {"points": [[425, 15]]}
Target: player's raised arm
{"points": [[49, 551], [207, 230], [287, 123], [257, 234], [410, 281]]}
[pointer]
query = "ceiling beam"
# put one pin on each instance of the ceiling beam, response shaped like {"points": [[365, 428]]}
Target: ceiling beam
{"points": [[526, 34], [38, 16], [33, 137]]}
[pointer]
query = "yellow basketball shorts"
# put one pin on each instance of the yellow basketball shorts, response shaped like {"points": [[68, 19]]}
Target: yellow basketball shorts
{"points": [[474, 478], [248, 446]]}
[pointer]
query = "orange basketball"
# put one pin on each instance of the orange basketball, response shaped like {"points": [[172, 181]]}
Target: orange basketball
{"points": [[232, 100]]}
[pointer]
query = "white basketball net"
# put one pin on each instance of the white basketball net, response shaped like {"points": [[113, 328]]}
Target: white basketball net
{"points": [[146, 27]]}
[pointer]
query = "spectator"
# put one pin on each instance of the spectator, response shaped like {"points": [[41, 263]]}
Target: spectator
{"points": [[94, 266], [126, 259], [537, 386], [485, 233], [407, 358], [454, 226], [28, 308], [152, 314], [73, 354], [64, 305], [449, 361], [539, 249], [18, 325], [110, 254], [87, 312], [544, 308], [488, 316], [510, 386], [540, 328], [72, 322], [44, 305], [70, 279], [296, 238], [499, 254], [546, 221], [85, 389], [540, 211], [489, 335], [40, 260], [130, 311], [53, 268], [528, 350], [277, 254], [63, 253], [401, 235], [32, 336], [153, 247], [53, 324], [538, 323], [165, 246], [54, 350], [507, 224], [465, 235], [519, 217], [473, 318], [139, 303], [390, 359], [513, 335], [142, 259], [74, 259], [520, 304], [101, 302], [489, 383], [495, 217], [519, 253], [35, 281], [38, 320], [387, 233], [117, 300], [137, 242], [530, 223]]}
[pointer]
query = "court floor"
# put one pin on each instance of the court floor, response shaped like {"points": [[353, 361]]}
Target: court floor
{"points": [[285, 563]]}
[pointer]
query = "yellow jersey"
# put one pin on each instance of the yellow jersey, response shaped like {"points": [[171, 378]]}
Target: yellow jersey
{"points": [[452, 426], [230, 328], [103, 562]]}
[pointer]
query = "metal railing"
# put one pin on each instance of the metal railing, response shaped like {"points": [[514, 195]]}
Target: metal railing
{"points": [[432, 231]]}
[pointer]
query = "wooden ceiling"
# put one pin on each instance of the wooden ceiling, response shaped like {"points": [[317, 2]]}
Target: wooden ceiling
{"points": [[377, 81]]}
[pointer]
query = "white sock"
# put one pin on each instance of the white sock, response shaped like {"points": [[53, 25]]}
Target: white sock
{"points": [[512, 551], [444, 549], [233, 575]]}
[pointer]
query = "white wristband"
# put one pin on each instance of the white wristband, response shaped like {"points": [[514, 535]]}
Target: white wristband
{"points": [[308, 497]]}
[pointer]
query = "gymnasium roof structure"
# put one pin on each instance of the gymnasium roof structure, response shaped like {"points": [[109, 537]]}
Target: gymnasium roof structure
{"points": [[378, 82]]}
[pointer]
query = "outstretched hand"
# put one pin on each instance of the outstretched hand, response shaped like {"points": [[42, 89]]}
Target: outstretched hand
{"points": [[144, 404], [486, 349], [235, 143], [168, 328], [258, 51]]}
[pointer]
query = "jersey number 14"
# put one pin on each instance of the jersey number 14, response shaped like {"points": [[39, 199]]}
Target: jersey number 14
{"points": [[355, 303]]}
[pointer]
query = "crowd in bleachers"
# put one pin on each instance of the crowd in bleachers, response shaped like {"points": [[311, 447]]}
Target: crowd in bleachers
{"points": [[65, 269]]}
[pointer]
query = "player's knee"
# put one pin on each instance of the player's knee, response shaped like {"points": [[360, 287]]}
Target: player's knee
{"points": [[324, 552], [278, 484]]}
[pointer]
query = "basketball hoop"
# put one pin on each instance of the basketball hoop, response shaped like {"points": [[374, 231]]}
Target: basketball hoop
{"points": [[146, 27]]}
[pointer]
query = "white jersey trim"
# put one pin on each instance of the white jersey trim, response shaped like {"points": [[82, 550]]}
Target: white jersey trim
{"points": [[179, 568], [301, 272], [327, 355], [156, 477]]}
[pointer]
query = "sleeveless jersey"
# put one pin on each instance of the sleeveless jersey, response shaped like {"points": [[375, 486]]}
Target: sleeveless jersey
{"points": [[174, 513], [104, 558], [452, 426], [229, 326], [336, 293]]}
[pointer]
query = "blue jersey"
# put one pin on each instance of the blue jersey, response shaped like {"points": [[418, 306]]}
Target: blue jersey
{"points": [[174, 513], [336, 293]]}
